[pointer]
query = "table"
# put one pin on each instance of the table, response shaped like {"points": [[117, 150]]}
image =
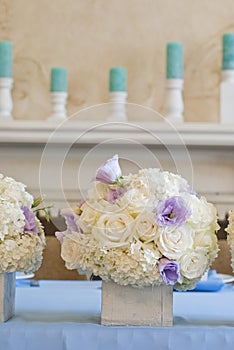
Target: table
{"points": [[65, 315]]}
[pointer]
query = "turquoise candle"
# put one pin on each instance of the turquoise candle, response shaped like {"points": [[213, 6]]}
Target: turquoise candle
{"points": [[117, 79], [175, 61], [5, 59], [58, 81], [228, 51]]}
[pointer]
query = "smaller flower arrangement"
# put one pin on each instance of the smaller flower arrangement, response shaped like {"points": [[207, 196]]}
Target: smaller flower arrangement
{"points": [[230, 236], [22, 238], [141, 229]]}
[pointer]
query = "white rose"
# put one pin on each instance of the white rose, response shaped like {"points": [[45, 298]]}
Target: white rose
{"points": [[203, 214], [88, 216], [70, 251], [193, 264], [144, 227], [172, 243], [134, 201], [113, 230], [207, 241]]}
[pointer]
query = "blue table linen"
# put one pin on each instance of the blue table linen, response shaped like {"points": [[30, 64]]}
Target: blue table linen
{"points": [[65, 315]]}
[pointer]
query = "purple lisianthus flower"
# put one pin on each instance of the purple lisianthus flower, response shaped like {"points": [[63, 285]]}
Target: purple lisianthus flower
{"points": [[169, 270], [70, 220], [110, 172], [114, 195], [172, 212], [30, 221]]}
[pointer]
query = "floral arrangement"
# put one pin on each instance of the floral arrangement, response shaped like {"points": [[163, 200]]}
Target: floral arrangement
{"points": [[141, 229], [230, 236], [22, 237]]}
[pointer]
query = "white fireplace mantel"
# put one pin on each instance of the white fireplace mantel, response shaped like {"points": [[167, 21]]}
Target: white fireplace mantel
{"points": [[202, 153], [189, 134]]}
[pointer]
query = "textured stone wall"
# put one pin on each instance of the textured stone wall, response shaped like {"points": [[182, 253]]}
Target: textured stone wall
{"points": [[90, 36]]}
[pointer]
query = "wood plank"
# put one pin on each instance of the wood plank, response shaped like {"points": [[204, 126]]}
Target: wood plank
{"points": [[132, 306], [7, 296]]}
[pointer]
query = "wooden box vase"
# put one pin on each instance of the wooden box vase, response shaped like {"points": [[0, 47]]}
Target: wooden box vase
{"points": [[133, 306], [7, 296]]}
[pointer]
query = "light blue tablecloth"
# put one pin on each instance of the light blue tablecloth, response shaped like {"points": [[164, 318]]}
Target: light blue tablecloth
{"points": [[66, 315]]}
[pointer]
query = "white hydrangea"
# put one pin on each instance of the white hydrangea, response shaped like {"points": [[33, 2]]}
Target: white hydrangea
{"points": [[13, 191], [138, 268], [158, 184], [19, 251], [230, 236], [11, 219]]}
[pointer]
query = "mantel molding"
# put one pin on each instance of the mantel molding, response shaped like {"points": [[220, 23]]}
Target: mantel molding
{"points": [[209, 169], [155, 134]]}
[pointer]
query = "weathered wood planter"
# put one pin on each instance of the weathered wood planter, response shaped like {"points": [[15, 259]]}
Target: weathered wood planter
{"points": [[7, 296], [126, 305]]}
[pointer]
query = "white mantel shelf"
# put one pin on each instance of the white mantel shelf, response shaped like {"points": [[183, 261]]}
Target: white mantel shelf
{"points": [[157, 133]]}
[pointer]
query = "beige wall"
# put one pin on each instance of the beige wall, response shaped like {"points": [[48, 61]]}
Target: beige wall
{"points": [[90, 36]]}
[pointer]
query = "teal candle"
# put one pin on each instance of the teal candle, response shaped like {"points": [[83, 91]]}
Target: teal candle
{"points": [[228, 51], [117, 79], [5, 59], [58, 81], [175, 61]]}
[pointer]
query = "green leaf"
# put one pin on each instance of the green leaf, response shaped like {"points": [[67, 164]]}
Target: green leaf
{"points": [[47, 216], [37, 201]]}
